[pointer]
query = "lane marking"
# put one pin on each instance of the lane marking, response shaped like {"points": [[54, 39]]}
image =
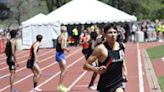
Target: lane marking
{"points": [[18, 54], [151, 76], [162, 59], [82, 86], [140, 72], [49, 79], [3, 59], [4, 88], [77, 80], [59, 72], [20, 62]]}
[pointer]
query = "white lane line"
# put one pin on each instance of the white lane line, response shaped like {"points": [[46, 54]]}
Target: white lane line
{"points": [[162, 59], [25, 67], [82, 86], [77, 80], [26, 61], [59, 72], [1, 90], [151, 76], [140, 72], [17, 55], [1, 77]]}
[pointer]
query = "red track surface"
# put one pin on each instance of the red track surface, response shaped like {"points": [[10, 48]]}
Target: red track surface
{"points": [[77, 79]]}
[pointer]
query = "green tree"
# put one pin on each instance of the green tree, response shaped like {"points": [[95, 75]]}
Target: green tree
{"points": [[4, 11]]}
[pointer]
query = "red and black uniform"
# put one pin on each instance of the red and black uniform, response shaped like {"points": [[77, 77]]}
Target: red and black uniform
{"points": [[32, 55], [112, 78]]}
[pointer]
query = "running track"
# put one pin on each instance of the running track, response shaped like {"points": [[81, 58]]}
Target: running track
{"points": [[76, 79]]}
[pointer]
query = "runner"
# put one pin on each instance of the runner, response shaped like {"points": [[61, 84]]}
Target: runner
{"points": [[34, 62], [112, 68], [10, 52], [60, 58]]}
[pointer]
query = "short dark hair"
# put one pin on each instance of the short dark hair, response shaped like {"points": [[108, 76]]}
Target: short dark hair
{"points": [[13, 33], [108, 26], [39, 37]]}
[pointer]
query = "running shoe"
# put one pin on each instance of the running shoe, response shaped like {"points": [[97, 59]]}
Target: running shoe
{"points": [[36, 89], [15, 90], [92, 87], [62, 88]]}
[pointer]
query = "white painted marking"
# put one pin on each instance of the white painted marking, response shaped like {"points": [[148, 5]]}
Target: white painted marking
{"points": [[140, 72], [77, 79], [1, 90]]}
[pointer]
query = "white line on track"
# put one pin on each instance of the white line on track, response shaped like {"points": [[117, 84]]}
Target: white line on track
{"points": [[1, 90], [26, 60], [59, 72], [140, 72], [77, 79], [18, 57]]}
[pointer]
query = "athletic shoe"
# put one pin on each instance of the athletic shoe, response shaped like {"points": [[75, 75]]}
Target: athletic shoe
{"points": [[36, 89], [62, 88], [15, 90], [92, 87]]}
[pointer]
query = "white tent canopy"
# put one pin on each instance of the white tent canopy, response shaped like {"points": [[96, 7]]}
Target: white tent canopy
{"points": [[35, 20], [88, 11], [38, 25]]}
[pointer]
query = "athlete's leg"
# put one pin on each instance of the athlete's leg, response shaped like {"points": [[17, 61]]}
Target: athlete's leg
{"points": [[37, 73], [12, 78], [91, 84], [63, 68]]}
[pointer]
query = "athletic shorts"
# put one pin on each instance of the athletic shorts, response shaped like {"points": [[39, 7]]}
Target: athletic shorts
{"points": [[60, 56], [11, 64], [113, 89], [85, 51]]}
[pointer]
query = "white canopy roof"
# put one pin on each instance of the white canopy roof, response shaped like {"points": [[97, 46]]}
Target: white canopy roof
{"points": [[88, 11], [35, 20]]}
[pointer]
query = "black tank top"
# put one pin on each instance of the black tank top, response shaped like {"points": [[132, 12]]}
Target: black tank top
{"points": [[58, 46], [113, 75], [32, 52], [8, 49]]}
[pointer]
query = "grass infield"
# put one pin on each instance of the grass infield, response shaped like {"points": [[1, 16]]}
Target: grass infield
{"points": [[155, 53]]}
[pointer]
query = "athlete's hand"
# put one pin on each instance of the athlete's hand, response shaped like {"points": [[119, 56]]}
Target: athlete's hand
{"points": [[68, 50], [125, 76], [17, 64], [101, 69]]}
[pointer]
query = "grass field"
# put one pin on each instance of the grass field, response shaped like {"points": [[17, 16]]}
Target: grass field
{"points": [[156, 52], [161, 83]]}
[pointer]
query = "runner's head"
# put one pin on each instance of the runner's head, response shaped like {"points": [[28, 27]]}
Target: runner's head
{"points": [[39, 37], [63, 29], [13, 33]]}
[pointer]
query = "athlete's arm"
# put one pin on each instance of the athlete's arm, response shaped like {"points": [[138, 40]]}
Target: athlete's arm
{"points": [[13, 47], [92, 58], [125, 72], [124, 68], [63, 43], [36, 46]]}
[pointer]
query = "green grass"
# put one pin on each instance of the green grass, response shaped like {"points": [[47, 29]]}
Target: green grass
{"points": [[156, 52], [161, 83]]}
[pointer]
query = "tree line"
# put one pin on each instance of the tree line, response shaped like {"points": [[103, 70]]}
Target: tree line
{"points": [[20, 10]]}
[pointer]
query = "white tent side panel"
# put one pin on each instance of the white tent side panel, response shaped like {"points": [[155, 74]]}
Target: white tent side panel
{"points": [[48, 31]]}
